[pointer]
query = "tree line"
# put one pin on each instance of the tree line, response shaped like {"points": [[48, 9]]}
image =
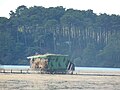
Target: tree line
{"points": [[89, 39]]}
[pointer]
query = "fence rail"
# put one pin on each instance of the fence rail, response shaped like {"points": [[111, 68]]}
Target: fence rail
{"points": [[23, 71], [14, 70]]}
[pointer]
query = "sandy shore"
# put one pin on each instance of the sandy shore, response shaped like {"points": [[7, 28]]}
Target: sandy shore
{"points": [[82, 81]]}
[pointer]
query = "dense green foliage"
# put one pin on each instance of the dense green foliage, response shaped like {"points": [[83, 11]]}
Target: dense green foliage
{"points": [[89, 39]]}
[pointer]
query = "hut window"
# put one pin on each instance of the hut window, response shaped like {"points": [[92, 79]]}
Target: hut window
{"points": [[66, 63], [56, 59], [59, 64], [51, 65], [64, 60]]}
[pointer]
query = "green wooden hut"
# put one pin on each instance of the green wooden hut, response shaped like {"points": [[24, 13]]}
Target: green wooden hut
{"points": [[51, 63]]}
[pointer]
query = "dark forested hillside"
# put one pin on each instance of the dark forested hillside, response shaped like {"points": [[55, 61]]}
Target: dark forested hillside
{"points": [[89, 39]]}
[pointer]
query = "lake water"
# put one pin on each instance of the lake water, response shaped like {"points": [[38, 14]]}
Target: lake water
{"points": [[97, 68], [76, 68], [14, 66]]}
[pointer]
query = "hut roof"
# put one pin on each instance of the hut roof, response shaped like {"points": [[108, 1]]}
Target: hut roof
{"points": [[45, 56]]}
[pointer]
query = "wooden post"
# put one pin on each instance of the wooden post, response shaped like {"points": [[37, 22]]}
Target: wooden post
{"points": [[11, 70], [3, 70], [27, 70], [21, 71]]}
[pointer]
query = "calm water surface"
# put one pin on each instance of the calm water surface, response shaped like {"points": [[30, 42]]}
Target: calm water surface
{"points": [[14, 66], [76, 68]]}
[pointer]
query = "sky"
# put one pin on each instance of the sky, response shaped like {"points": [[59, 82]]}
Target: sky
{"points": [[98, 6]]}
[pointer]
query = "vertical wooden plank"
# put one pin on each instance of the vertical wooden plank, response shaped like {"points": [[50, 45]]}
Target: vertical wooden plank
{"points": [[11, 70], [21, 71]]}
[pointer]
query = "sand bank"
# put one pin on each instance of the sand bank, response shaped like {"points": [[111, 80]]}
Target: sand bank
{"points": [[82, 81]]}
